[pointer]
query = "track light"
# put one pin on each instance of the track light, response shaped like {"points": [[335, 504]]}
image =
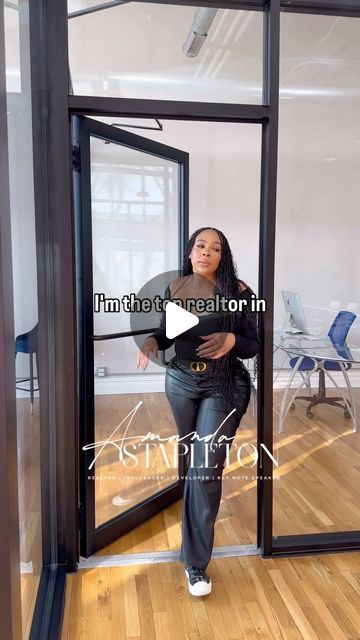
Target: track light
{"points": [[202, 22]]}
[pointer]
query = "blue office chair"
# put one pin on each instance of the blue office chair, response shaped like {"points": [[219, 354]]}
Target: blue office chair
{"points": [[28, 343], [337, 334]]}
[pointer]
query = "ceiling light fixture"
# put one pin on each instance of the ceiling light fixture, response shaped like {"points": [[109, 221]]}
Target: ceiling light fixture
{"points": [[202, 22], [142, 194]]}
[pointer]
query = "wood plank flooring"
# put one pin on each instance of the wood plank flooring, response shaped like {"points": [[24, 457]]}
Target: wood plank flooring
{"points": [[316, 488], [315, 485], [317, 481], [237, 513], [310, 598]]}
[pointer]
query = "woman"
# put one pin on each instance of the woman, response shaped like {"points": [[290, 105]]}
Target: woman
{"points": [[208, 388]]}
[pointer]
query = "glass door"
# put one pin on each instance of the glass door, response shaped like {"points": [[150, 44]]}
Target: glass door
{"points": [[131, 212]]}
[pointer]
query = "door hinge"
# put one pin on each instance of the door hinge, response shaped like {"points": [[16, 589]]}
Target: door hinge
{"points": [[76, 158]]}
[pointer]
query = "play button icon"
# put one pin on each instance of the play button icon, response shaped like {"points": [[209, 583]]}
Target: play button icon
{"points": [[165, 312], [178, 320]]}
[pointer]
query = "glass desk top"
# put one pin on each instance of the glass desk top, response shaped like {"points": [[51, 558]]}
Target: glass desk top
{"points": [[320, 347]]}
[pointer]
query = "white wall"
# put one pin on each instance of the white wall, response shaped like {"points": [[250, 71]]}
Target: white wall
{"points": [[21, 183], [318, 223], [22, 225], [22, 215]]}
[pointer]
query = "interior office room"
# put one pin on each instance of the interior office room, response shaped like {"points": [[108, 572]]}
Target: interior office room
{"points": [[125, 127]]}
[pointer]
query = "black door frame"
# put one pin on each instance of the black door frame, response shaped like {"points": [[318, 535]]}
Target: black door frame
{"points": [[266, 114], [94, 538]]}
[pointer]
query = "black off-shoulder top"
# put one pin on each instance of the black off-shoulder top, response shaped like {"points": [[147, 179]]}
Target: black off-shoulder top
{"points": [[246, 335]]}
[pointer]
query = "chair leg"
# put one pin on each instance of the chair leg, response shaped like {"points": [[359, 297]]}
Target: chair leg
{"points": [[321, 398], [283, 403], [37, 368], [350, 406], [295, 396], [353, 403], [307, 381], [253, 394], [31, 382]]}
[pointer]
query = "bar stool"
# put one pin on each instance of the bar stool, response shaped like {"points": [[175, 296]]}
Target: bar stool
{"points": [[28, 343]]}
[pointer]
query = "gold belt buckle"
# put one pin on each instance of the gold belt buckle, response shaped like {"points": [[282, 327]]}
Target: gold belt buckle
{"points": [[198, 366]]}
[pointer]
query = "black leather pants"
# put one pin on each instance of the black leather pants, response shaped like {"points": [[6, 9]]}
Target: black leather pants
{"points": [[196, 408]]}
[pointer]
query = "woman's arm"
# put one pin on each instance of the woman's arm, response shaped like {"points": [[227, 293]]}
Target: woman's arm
{"points": [[160, 333]]}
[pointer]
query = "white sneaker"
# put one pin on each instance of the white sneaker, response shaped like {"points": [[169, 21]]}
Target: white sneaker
{"points": [[199, 583]]}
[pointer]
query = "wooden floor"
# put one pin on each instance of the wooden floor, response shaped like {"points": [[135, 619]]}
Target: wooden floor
{"points": [[314, 597], [29, 492], [315, 485], [316, 489], [237, 514]]}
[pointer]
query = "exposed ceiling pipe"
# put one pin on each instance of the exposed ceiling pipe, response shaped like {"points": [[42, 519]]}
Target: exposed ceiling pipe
{"points": [[202, 22]]}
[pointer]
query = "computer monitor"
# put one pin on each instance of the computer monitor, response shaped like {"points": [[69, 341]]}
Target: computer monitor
{"points": [[294, 309]]}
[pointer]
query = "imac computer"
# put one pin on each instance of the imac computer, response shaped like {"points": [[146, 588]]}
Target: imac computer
{"points": [[296, 321]]}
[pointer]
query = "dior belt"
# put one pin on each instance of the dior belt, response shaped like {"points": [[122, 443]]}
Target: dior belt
{"points": [[198, 366]]}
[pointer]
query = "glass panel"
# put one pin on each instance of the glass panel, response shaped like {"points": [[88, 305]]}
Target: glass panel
{"points": [[78, 5], [130, 470], [317, 257], [12, 49], [135, 199], [224, 191], [135, 50], [25, 306]]}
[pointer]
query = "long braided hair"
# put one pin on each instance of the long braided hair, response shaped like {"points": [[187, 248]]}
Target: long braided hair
{"points": [[227, 284]]}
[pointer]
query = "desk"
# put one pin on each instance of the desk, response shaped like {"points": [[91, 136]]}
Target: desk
{"points": [[320, 349]]}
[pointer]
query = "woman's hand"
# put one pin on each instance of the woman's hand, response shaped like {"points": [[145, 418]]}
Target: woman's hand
{"points": [[149, 346], [216, 345]]}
